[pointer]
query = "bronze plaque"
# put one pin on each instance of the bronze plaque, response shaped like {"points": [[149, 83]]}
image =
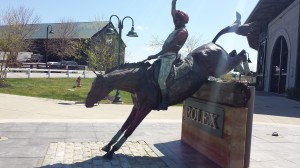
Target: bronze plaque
{"points": [[206, 116]]}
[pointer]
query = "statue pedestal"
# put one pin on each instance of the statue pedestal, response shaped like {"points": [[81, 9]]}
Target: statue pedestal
{"points": [[219, 127]]}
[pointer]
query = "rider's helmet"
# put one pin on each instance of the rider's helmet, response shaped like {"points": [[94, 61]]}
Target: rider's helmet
{"points": [[183, 16]]}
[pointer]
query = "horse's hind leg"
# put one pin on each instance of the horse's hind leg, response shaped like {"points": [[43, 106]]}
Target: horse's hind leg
{"points": [[238, 67], [141, 114], [243, 56], [234, 60], [115, 138]]}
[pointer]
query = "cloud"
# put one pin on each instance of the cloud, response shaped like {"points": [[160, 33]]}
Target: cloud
{"points": [[149, 49], [139, 27]]}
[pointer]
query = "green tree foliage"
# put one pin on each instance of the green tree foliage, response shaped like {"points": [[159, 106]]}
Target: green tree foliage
{"points": [[101, 52]]}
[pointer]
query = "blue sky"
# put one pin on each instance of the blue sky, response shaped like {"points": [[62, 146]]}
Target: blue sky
{"points": [[151, 18]]}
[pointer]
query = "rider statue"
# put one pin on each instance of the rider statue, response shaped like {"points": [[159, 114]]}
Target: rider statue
{"points": [[170, 49]]}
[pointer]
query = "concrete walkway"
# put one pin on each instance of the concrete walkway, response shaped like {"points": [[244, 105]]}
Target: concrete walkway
{"points": [[29, 125]]}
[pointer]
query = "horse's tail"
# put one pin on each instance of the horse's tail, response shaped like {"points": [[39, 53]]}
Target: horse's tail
{"points": [[236, 27]]}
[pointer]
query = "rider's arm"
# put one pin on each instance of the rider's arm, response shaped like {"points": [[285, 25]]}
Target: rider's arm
{"points": [[173, 8], [176, 44]]}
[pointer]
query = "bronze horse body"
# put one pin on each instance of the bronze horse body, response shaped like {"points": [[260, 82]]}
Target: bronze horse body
{"points": [[137, 78]]}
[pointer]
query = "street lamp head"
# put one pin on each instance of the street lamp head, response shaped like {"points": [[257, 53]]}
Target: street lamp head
{"points": [[249, 61], [51, 31], [132, 33], [110, 30]]}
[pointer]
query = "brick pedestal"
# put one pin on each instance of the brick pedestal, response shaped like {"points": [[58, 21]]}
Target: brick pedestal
{"points": [[216, 130]]}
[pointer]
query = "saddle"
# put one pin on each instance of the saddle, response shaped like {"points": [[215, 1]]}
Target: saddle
{"points": [[180, 68], [153, 73]]}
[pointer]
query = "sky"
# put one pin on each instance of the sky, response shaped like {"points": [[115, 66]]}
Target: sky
{"points": [[152, 18]]}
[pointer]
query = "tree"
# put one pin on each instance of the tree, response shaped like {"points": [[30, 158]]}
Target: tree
{"points": [[101, 50], [17, 25], [64, 44], [191, 43]]}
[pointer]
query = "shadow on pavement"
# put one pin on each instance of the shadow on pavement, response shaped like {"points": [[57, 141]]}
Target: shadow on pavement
{"points": [[275, 104], [177, 154], [66, 103], [119, 160]]}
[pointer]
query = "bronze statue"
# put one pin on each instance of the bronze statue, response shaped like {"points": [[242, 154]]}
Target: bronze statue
{"points": [[170, 49], [140, 79]]}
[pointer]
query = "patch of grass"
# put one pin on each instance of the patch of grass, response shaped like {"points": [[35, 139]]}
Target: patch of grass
{"points": [[55, 88]]}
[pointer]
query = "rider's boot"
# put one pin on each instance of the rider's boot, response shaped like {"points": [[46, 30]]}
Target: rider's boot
{"points": [[164, 102]]}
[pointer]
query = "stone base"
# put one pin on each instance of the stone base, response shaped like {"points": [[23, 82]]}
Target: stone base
{"points": [[227, 150]]}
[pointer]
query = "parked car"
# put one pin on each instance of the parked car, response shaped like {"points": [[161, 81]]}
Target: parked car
{"points": [[69, 65], [53, 65], [72, 65]]}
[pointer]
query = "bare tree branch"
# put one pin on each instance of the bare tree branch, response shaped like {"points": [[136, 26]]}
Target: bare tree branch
{"points": [[191, 43], [17, 25], [63, 45]]}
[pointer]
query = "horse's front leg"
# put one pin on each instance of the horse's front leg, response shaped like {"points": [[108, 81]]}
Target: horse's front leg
{"points": [[138, 118], [107, 147]]}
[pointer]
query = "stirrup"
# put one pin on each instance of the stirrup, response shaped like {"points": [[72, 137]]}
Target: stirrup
{"points": [[163, 106], [164, 103]]}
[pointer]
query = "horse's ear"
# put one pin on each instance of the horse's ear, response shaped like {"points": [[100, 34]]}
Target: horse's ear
{"points": [[97, 74]]}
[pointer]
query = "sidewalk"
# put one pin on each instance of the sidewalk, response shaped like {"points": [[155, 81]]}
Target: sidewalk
{"points": [[32, 124]]}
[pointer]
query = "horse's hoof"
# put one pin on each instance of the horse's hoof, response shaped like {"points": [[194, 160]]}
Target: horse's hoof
{"points": [[108, 156], [106, 148]]}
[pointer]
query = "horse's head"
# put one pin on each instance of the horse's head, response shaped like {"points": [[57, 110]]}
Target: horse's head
{"points": [[98, 91]]}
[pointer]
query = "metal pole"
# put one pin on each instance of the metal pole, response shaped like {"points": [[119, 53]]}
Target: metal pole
{"points": [[117, 98], [250, 106], [130, 34], [47, 37]]}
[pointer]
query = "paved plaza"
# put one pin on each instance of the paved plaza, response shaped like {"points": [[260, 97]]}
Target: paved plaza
{"points": [[38, 132], [87, 154]]}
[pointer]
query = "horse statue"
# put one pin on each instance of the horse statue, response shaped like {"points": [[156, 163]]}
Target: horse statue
{"points": [[187, 76]]}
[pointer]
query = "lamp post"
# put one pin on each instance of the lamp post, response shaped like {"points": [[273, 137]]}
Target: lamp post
{"points": [[111, 31], [49, 30]]}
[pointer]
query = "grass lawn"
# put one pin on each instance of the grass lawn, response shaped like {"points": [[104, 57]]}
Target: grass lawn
{"points": [[56, 88]]}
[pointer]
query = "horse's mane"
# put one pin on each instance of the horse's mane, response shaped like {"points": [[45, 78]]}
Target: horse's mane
{"points": [[129, 66]]}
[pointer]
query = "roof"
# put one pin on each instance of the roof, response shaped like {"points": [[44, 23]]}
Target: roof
{"points": [[264, 12], [82, 29]]}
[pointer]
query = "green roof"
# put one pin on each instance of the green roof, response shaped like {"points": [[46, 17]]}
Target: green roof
{"points": [[82, 29]]}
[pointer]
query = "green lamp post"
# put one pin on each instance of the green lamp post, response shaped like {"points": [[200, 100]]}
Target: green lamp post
{"points": [[49, 31], [109, 31]]}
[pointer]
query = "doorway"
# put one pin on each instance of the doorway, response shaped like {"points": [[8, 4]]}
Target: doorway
{"points": [[279, 66]]}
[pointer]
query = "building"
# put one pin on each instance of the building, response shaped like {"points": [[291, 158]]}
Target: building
{"points": [[90, 32], [276, 37]]}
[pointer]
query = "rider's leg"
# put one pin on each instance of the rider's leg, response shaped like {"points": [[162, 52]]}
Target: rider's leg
{"points": [[165, 68]]}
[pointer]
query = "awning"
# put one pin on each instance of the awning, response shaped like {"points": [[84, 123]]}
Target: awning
{"points": [[264, 12]]}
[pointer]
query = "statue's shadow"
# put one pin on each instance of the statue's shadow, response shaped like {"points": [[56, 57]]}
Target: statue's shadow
{"points": [[119, 160], [177, 154]]}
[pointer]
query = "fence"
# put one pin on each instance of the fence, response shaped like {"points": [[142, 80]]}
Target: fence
{"points": [[46, 73]]}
